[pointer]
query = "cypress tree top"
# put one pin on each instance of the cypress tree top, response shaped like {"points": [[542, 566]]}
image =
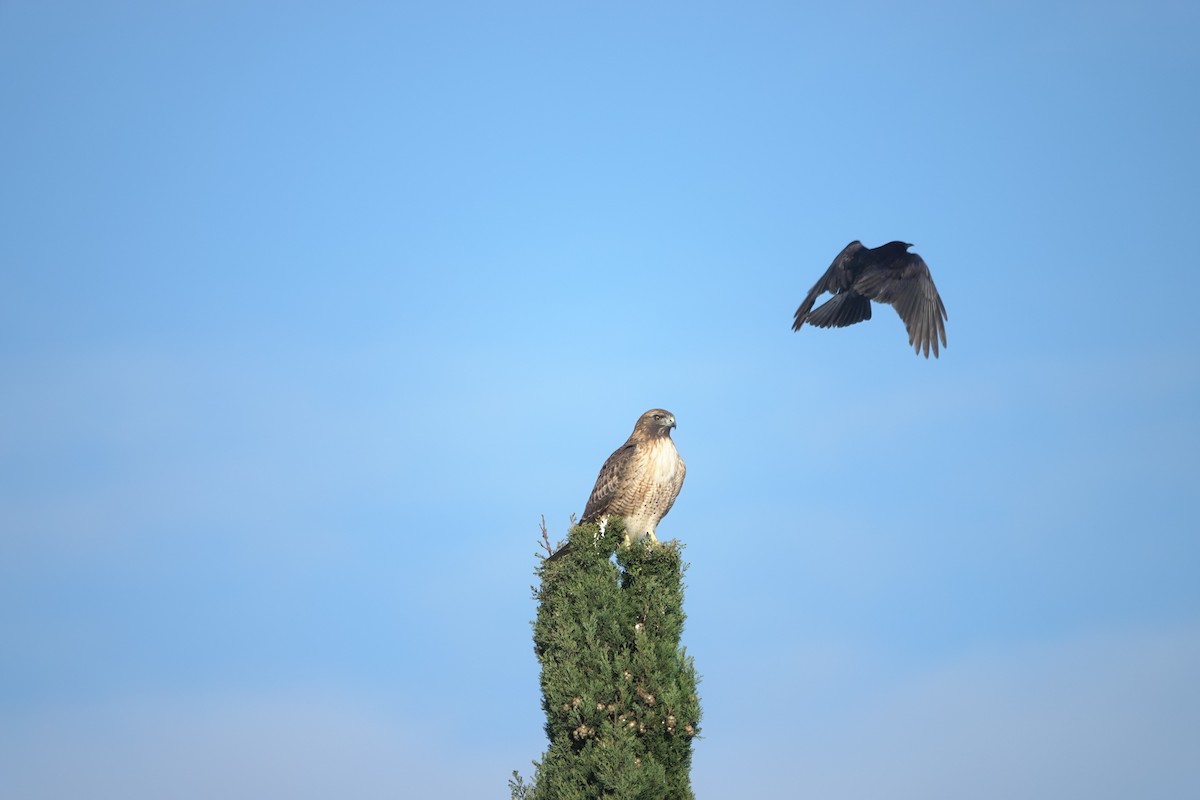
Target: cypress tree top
{"points": [[618, 690]]}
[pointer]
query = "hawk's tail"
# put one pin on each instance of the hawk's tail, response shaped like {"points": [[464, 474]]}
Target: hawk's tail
{"points": [[559, 552]]}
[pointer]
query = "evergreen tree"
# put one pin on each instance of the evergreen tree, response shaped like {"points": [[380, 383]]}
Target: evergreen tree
{"points": [[618, 691]]}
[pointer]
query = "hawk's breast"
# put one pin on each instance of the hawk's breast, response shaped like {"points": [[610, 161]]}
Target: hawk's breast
{"points": [[663, 462]]}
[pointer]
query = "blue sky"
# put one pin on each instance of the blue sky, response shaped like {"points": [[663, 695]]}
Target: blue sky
{"points": [[308, 313]]}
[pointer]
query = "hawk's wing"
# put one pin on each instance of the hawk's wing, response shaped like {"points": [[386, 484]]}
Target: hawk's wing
{"points": [[836, 279], [908, 287], [608, 482]]}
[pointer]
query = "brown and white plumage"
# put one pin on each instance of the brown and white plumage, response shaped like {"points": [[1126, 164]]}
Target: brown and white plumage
{"points": [[641, 479], [886, 274]]}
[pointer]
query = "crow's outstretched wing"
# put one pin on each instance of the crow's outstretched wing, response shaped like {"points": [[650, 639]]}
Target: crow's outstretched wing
{"points": [[836, 279], [907, 286]]}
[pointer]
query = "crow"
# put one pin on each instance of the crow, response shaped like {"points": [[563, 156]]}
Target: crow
{"points": [[887, 274]]}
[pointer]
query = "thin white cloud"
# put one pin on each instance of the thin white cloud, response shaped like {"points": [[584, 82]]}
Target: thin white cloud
{"points": [[237, 747], [1111, 716]]}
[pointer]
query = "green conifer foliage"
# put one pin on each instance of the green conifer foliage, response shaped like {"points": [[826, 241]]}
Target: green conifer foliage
{"points": [[618, 690]]}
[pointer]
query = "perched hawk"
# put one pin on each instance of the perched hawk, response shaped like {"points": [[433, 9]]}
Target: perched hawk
{"points": [[887, 274], [640, 480]]}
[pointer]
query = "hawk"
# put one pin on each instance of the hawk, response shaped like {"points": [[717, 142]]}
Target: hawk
{"points": [[886, 274], [640, 480]]}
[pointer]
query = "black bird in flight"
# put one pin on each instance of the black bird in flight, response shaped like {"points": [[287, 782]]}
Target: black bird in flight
{"points": [[886, 274]]}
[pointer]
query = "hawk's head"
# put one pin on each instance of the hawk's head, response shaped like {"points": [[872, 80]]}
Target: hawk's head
{"points": [[655, 422]]}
